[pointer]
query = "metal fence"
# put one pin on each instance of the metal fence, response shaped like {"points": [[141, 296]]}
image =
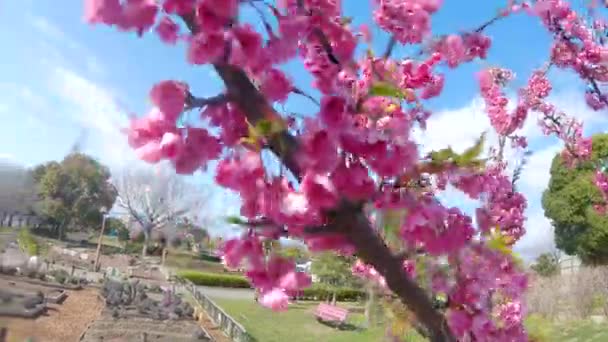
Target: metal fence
{"points": [[227, 324]]}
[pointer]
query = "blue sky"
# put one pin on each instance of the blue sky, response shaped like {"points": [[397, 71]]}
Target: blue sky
{"points": [[62, 79]]}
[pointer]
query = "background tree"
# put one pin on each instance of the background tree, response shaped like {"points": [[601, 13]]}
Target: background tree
{"points": [[333, 269], [72, 192], [569, 202], [157, 200], [298, 253], [546, 265]]}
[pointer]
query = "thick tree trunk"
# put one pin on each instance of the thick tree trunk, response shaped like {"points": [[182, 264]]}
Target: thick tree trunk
{"points": [[372, 250]]}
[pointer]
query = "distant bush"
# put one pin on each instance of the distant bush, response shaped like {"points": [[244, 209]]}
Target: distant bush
{"points": [[214, 279]]}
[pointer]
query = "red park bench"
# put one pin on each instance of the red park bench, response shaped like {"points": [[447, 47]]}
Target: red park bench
{"points": [[331, 313]]}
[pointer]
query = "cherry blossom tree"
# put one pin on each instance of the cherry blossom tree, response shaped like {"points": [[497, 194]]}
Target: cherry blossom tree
{"points": [[356, 160]]}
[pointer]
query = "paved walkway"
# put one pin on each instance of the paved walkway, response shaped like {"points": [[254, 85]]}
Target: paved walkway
{"points": [[226, 293]]}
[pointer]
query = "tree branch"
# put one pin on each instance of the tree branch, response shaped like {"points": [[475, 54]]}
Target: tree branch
{"points": [[389, 47], [372, 249], [351, 220], [200, 102], [298, 91]]}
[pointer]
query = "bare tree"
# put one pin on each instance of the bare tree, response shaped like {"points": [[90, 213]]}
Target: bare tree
{"points": [[157, 199]]}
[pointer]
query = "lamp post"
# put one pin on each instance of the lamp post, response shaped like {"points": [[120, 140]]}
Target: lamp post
{"points": [[103, 211]]}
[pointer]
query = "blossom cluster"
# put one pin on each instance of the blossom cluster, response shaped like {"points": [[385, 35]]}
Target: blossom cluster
{"points": [[359, 148]]}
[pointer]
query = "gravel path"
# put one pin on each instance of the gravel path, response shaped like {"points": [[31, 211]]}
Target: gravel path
{"points": [[225, 293], [62, 323]]}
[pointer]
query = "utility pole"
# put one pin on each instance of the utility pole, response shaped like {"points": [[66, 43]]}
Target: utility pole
{"points": [[103, 228]]}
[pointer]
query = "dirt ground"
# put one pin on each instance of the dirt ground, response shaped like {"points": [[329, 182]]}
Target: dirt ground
{"points": [[62, 323]]}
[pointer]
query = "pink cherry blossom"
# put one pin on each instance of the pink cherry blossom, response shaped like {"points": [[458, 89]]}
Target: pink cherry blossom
{"points": [[206, 47], [170, 98], [167, 30], [343, 172], [275, 85]]}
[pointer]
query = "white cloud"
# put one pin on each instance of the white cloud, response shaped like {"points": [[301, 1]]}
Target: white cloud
{"points": [[93, 107], [535, 175], [55, 36], [7, 156], [460, 127], [538, 237]]}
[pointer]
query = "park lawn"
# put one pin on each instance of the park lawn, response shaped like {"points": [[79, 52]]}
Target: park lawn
{"points": [[586, 331], [188, 261], [111, 241], [297, 324]]}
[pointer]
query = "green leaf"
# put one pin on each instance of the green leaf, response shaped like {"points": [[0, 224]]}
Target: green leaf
{"points": [[267, 127], [473, 152], [498, 242], [346, 20], [264, 127], [443, 155], [235, 220], [386, 89]]}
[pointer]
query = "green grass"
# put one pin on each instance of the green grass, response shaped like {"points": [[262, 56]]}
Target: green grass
{"points": [[27, 242], [181, 260], [582, 331], [297, 324], [6, 229], [111, 241]]}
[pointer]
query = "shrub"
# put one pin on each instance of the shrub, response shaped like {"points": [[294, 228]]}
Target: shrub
{"points": [[60, 276], [215, 279], [123, 234]]}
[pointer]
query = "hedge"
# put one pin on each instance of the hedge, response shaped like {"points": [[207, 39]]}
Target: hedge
{"points": [[215, 279], [321, 292], [316, 292], [208, 257]]}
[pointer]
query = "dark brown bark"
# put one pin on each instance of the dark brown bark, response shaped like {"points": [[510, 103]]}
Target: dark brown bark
{"points": [[372, 249]]}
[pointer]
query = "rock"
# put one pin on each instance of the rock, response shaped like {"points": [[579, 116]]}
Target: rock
{"points": [[200, 335], [5, 296]]}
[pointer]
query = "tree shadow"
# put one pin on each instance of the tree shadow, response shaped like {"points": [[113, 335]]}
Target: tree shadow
{"points": [[341, 326]]}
